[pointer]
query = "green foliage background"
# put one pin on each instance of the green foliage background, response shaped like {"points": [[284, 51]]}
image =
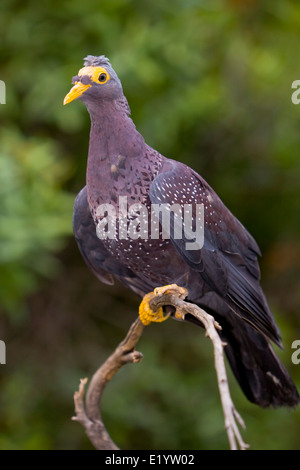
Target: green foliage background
{"points": [[209, 83]]}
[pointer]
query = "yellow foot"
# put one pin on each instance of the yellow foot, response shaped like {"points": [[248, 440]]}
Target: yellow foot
{"points": [[146, 313]]}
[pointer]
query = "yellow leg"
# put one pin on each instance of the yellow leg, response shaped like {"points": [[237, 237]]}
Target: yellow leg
{"points": [[147, 315]]}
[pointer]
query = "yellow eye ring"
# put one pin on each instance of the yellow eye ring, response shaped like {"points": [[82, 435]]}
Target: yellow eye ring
{"points": [[102, 77], [97, 74]]}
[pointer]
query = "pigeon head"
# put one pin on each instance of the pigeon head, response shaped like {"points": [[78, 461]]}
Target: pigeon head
{"points": [[96, 81]]}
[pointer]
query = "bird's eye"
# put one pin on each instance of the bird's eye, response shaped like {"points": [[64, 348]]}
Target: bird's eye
{"points": [[102, 77]]}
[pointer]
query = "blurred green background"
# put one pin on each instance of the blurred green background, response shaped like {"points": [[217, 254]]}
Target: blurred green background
{"points": [[209, 84]]}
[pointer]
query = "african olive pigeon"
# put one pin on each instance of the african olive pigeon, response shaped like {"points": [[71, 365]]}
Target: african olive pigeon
{"points": [[221, 272]]}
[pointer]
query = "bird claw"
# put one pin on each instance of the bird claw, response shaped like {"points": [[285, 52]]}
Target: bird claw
{"points": [[181, 292], [147, 315]]}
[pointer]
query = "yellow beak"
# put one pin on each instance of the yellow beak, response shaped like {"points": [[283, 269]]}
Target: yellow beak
{"points": [[75, 92]]}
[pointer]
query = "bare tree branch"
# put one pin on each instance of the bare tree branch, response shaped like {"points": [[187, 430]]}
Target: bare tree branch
{"points": [[231, 416], [89, 414]]}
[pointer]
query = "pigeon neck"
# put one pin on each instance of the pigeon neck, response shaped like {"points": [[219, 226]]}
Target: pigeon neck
{"points": [[115, 151], [113, 133]]}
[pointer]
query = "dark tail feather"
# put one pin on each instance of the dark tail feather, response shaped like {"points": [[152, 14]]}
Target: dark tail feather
{"points": [[262, 377]]}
